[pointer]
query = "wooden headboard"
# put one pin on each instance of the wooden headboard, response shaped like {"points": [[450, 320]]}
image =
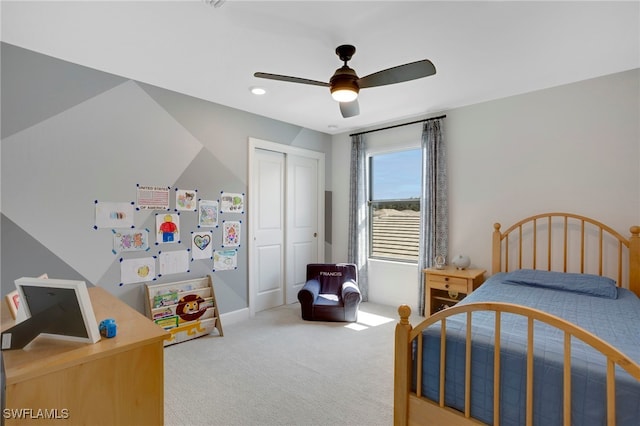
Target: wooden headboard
{"points": [[568, 242]]}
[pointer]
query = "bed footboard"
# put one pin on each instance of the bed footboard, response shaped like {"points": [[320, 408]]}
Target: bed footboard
{"points": [[411, 407]]}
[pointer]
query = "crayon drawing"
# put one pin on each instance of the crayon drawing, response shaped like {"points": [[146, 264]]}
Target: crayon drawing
{"points": [[173, 262], [201, 247], [114, 215], [224, 260], [186, 199], [131, 240], [153, 198], [208, 214], [230, 233], [137, 270], [231, 203], [167, 228]]}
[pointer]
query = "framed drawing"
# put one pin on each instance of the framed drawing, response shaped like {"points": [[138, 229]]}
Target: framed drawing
{"points": [[13, 301]]}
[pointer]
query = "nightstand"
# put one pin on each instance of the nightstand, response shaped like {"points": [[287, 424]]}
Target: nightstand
{"points": [[446, 287]]}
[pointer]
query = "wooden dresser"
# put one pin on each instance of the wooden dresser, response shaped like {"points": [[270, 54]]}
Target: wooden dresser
{"points": [[117, 381]]}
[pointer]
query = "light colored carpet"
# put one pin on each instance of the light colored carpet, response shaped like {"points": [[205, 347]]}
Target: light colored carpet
{"points": [[276, 369]]}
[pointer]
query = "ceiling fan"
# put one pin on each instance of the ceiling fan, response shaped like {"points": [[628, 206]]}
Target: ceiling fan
{"points": [[345, 83]]}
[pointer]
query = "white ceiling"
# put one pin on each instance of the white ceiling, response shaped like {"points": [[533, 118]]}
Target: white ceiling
{"points": [[481, 50]]}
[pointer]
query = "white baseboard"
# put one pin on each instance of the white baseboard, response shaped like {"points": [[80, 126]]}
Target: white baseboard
{"points": [[234, 317]]}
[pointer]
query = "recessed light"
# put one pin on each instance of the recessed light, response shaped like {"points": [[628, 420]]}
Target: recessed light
{"points": [[257, 90]]}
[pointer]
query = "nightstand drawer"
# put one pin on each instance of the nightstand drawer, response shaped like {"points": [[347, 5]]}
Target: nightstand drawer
{"points": [[448, 283]]}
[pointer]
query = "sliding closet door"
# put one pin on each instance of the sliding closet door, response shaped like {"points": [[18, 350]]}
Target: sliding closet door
{"points": [[286, 226], [302, 221], [268, 255]]}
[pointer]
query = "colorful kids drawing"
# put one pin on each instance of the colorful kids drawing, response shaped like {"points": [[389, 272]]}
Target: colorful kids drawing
{"points": [[231, 236], [207, 215], [185, 199], [232, 203], [231, 233], [168, 229], [131, 240]]}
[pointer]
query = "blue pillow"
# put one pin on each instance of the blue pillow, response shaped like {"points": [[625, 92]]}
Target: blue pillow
{"points": [[593, 285]]}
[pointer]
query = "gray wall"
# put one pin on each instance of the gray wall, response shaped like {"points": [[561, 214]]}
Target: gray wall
{"points": [[72, 135], [573, 148]]}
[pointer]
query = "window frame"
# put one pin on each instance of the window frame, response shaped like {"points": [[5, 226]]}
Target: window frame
{"points": [[371, 202]]}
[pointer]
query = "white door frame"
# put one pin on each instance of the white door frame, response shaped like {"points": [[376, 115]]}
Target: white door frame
{"points": [[285, 149]]}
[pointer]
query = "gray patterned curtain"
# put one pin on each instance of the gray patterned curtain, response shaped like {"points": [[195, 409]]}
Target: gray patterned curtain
{"points": [[358, 216], [434, 210]]}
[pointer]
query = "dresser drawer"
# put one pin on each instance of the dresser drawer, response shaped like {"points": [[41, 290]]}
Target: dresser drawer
{"points": [[447, 283]]}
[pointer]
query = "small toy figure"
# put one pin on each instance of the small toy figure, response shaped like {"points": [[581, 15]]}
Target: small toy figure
{"points": [[168, 229], [108, 328]]}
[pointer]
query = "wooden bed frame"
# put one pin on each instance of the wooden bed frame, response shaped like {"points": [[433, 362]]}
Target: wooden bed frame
{"points": [[411, 408]]}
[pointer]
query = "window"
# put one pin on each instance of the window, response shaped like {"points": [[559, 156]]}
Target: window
{"points": [[394, 205]]}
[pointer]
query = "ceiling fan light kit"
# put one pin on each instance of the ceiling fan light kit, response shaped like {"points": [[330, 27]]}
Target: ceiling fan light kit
{"points": [[344, 95], [345, 83], [344, 86]]}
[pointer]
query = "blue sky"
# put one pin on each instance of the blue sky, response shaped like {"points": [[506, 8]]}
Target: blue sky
{"points": [[396, 175]]}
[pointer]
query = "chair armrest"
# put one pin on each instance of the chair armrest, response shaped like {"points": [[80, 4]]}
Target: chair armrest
{"points": [[351, 293], [309, 292]]}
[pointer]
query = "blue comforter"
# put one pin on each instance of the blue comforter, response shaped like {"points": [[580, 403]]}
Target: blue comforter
{"points": [[616, 320]]}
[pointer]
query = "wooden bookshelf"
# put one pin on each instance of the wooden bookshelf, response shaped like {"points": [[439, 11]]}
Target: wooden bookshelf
{"points": [[186, 309]]}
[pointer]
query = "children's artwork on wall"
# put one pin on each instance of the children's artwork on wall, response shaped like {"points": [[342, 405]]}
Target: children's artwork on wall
{"points": [[130, 240], [153, 198], [186, 199], [208, 214], [167, 228], [230, 233], [231, 203], [173, 262], [137, 270], [201, 247], [224, 260], [114, 215]]}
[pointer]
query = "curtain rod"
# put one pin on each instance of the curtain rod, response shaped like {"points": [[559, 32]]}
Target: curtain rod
{"points": [[398, 125]]}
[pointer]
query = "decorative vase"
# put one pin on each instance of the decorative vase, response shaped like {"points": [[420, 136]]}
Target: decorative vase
{"points": [[461, 262]]}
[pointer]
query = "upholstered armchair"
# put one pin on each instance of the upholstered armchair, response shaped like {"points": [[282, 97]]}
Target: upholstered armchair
{"points": [[331, 293]]}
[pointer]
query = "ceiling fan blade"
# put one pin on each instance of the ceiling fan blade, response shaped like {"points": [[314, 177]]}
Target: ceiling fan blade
{"points": [[290, 79], [349, 109], [406, 72]]}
